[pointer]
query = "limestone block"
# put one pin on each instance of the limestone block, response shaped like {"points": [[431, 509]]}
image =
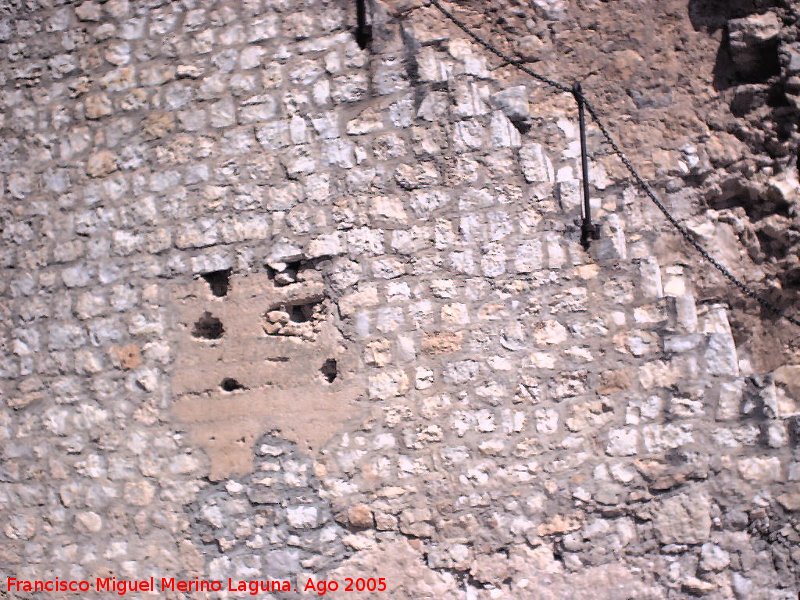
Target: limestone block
{"points": [[461, 372], [411, 177], [721, 356], [622, 442], [97, 106], [730, 400], [660, 438], [388, 383], [650, 284], [470, 99], [88, 11], [468, 136], [528, 257], [549, 333], [101, 164], [493, 260], [89, 522], [681, 343], [389, 76], [684, 312], [760, 470], [222, 113], [536, 166], [683, 519], [513, 102]]}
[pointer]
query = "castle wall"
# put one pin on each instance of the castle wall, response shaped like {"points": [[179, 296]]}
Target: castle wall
{"points": [[275, 306]]}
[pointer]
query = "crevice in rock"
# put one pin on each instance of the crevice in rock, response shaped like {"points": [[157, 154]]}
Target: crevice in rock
{"points": [[278, 359], [410, 47]]}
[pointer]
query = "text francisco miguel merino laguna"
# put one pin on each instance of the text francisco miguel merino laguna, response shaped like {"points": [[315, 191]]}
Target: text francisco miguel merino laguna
{"points": [[163, 584]]}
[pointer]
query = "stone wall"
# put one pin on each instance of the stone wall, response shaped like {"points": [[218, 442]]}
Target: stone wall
{"points": [[277, 306]]}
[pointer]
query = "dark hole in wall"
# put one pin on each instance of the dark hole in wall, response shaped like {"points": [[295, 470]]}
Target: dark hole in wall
{"points": [[279, 319], [231, 385], [521, 125], [676, 457], [776, 97], [756, 207], [747, 99], [218, 281], [329, 370], [208, 327], [784, 130], [790, 279], [768, 66], [711, 15], [773, 245], [301, 313], [288, 275]]}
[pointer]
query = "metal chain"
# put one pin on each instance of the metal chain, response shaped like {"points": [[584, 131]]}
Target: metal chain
{"points": [[685, 233]]}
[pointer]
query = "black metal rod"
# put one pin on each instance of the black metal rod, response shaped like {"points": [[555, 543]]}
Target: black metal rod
{"points": [[363, 32], [588, 231]]}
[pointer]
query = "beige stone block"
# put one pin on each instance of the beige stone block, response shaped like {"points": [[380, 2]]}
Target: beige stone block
{"points": [[101, 164]]}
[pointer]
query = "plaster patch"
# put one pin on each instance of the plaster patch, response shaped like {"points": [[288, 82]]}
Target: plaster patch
{"points": [[242, 371]]}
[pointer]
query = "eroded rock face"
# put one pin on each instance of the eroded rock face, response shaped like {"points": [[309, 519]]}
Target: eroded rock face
{"points": [[529, 573], [255, 354]]}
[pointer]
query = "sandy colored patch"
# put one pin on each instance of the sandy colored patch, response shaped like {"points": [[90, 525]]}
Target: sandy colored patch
{"points": [[237, 376]]}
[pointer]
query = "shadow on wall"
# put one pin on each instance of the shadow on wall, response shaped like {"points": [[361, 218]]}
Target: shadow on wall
{"points": [[712, 16]]}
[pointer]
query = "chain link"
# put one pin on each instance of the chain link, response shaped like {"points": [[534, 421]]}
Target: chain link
{"points": [[685, 233]]}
